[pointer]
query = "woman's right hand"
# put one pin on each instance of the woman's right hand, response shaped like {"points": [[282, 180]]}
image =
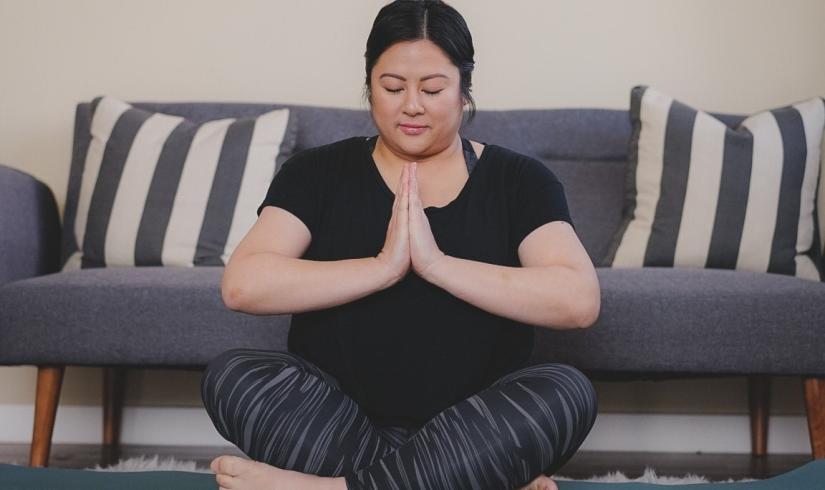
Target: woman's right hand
{"points": [[395, 255]]}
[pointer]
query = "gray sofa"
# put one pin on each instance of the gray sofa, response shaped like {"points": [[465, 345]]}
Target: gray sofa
{"points": [[654, 323]]}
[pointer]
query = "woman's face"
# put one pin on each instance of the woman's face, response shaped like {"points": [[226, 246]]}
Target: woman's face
{"points": [[416, 99]]}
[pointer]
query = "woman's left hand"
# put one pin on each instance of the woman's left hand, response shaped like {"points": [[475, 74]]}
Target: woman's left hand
{"points": [[424, 252]]}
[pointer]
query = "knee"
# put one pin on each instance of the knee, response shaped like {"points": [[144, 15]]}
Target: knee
{"points": [[235, 370], [216, 370], [220, 362], [231, 370], [565, 385], [232, 380], [562, 404]]}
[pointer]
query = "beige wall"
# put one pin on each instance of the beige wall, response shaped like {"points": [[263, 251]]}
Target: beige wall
{"points": [[721, 55]]}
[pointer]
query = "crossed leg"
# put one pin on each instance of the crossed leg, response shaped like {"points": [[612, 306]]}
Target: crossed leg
{"points": [[295, 423]]}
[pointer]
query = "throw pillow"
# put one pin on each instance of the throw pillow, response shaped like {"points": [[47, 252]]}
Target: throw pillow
{"points": [[160, 190], [699, 193]]}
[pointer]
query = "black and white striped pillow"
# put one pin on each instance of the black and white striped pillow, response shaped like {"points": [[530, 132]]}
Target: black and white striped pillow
{"points": [[701, 194], [160, 190]]}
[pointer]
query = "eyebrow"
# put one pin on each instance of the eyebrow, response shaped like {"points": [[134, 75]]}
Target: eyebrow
{"points": [[426, 77]]}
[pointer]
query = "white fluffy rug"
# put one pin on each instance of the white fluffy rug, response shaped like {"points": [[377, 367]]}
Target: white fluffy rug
{"points": [[154, 463], [144, 463]]}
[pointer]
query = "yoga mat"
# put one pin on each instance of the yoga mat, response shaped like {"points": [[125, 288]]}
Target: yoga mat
{"points": [[24, 478], [811, 476]]}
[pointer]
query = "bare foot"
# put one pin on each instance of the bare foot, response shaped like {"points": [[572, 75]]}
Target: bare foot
{"points": [[543, 482], [236, 473]]}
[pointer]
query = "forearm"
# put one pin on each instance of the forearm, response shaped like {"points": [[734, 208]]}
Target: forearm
{"points": [[268, 284], [553, 297]]}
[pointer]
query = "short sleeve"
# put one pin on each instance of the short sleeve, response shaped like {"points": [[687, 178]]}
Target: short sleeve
{"points": [[295, 189], [538, 198]]}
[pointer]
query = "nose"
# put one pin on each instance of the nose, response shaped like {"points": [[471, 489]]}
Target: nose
{"points": [[412, 103]]}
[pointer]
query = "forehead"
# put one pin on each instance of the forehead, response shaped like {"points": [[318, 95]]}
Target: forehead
{"points": [[414, 58]]}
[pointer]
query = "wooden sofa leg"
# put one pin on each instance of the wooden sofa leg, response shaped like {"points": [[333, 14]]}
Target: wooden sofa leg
{"points": [[49, 381], [114, 380], [815, 407], [759, 399]]}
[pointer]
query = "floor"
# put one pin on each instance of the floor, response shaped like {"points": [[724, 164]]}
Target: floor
{"points": [[584, 464]]}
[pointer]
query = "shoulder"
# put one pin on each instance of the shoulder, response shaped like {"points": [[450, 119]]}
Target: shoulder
{"points": [[324, 157], [340, 147], [517, 167]]}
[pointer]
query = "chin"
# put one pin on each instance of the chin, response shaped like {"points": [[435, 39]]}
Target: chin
{"points": [[417, 147], [406, 143]]}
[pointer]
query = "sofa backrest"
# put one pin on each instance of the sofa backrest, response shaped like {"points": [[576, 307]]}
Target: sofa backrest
{"points": [[585, 148]]}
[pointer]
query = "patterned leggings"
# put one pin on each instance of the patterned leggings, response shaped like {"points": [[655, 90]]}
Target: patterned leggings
{"points": [[282, 410]]}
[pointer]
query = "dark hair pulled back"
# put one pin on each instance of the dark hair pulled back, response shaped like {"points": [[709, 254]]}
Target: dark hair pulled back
{"points": [[412, 20]]}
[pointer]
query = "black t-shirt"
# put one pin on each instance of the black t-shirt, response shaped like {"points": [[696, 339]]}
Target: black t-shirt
{"points": [[407, 352]]}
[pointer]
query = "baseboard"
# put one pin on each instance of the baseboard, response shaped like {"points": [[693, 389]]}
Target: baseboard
{"points": [[694, 433], [161, 426]]}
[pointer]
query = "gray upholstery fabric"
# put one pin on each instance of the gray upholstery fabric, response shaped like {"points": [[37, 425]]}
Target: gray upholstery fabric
{"points": [[652, 320], [595, 194], [29, 226], [151, 316], [699, 321]]}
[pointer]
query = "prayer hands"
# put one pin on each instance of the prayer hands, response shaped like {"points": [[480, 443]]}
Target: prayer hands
{"points": [[410, 241], [424, 252]]}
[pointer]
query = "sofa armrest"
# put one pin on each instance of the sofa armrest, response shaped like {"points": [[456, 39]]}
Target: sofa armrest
{"points": [[29, 227]]}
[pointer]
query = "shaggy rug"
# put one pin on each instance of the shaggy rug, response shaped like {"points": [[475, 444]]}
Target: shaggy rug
{"points": [[155, 463]]}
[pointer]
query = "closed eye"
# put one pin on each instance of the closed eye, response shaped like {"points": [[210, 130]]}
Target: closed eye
{"points": [[425, 91]]}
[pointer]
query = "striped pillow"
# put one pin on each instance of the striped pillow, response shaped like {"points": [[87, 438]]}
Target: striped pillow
{"points": [[702, 194], [160, 190]]}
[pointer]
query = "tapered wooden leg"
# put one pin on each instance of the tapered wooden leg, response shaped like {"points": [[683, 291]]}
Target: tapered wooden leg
{"points": [[49, 381], [114, 380], [759, 399], [815, 407]]}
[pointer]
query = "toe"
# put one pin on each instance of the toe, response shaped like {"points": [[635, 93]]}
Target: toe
{"points": [[542, 482], [214, 465], [228, 465], [225, 481]]}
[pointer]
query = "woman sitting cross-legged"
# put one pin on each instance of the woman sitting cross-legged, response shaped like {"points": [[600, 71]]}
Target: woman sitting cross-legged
{"points": [[416, 264]]}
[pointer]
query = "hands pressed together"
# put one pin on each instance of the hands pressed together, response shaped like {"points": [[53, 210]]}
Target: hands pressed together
{"points": [[410, 241]]}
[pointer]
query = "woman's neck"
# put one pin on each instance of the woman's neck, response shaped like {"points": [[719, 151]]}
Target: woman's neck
{"points": [[426, 163]]}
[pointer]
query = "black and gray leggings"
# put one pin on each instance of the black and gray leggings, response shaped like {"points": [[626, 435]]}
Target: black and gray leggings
{"points": [[282, 410]]}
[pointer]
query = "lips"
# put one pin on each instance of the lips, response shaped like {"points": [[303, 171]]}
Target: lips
{"points": [[412, 129]]}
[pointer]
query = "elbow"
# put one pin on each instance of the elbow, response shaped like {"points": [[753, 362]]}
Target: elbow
{"points": [[582, 316], [231, 294], [582, 311], [588, 308], [588, 315], [239, 297], [231, 299]]}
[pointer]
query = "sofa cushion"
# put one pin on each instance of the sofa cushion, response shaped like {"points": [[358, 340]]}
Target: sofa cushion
{"points": [[652, 319], [594, 199], [702, 194], [160, 190], [150, 316], [696, 321]]}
